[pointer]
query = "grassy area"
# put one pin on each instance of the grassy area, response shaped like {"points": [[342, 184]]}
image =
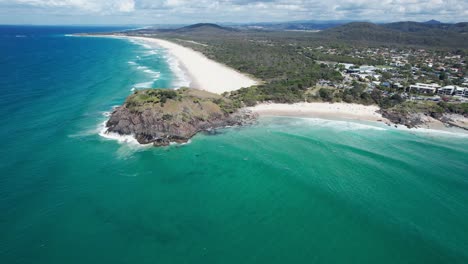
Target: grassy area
{"points": [[173, 101]]}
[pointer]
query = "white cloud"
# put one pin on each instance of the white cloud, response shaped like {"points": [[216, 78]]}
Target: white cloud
{"points": [[187, 11], [105, 6]]}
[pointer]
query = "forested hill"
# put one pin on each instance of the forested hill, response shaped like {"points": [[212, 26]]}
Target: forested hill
{"points": [[428, 27], [205, 28], [195, 29], [401, 33], [427, 34]]}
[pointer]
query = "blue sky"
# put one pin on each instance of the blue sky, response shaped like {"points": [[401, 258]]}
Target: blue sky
{"points": [[185, 11]]}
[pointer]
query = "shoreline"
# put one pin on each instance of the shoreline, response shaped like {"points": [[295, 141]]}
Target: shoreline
{"points": [[199, 70], [321, 110], [344, 111], [204, 73]]}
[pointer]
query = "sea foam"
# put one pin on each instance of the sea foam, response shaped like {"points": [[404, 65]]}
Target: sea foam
{"points": [[181, 79], [340, 125]]}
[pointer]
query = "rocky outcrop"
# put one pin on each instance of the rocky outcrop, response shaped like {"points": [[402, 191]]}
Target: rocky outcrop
{"points": [[409, 120], [419, 119], [164, 116]]}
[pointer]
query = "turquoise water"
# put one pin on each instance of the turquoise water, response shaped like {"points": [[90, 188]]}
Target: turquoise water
{"points": [[287, 190]]}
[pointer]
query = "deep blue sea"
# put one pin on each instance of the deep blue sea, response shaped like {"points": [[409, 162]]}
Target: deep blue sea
{"points": [[287, 190]]}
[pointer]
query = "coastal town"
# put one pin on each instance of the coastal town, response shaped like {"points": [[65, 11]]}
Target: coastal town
{"points": [[415, 74]]}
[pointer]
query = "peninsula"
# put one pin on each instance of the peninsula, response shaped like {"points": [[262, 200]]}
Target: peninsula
{"points": [[163, 116]]}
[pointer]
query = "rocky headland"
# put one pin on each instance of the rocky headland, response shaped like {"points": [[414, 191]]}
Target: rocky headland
{"points": [[421, 114], [162, 116]]}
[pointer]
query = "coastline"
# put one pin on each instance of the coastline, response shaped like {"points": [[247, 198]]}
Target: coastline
{"points": [[321, 110], [205, 74], [350, 112]]}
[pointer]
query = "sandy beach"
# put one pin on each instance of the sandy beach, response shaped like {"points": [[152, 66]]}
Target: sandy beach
{"points": [[205, 74], [350, 112], [321, 110]]}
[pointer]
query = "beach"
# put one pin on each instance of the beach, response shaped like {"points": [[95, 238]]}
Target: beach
{"points": [[205, 74], [348, 111], [321, 110]]}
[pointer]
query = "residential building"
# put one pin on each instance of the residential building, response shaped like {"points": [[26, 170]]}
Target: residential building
{"points": [[447, 90], [461, 91], [425, 88]]}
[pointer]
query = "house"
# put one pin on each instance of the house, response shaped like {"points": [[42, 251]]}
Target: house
{"points": [[447, 90], [425, 88], [461, 91], [352, 70], [367, 69], [398, 86]]}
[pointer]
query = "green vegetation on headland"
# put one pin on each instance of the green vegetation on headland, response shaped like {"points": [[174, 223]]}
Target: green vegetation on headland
{"points": [[162, 116], [183, 97]]}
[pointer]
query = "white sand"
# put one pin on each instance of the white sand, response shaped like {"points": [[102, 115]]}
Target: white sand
{"points": [[205, 74], [324, 110]]}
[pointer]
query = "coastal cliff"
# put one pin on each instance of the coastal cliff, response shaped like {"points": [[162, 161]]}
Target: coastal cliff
{"points": [[162, 116]]}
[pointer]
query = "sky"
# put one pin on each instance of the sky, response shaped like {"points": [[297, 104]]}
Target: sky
{"points": [[140, 12]]}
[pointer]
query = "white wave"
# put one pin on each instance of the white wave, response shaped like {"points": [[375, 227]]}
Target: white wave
{"points": [[143, 85], [450, 132], [140, 42], [152, 52], [333, 124], [180, 144], [122, 139], [154, 74], [181, 77]]}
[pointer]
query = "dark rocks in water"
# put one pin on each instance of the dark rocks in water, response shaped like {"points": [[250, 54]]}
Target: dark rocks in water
{"points": [[418, 119], [162, 116], [409, 120]]}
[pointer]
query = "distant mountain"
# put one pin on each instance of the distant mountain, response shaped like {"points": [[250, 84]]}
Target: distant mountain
{"points": [[409, 26], [204, 28], [399, 33], [404, 33], [296, 25], [198, 29], [432, 22]]}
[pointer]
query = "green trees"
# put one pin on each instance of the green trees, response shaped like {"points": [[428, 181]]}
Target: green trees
{"points": [[326, 94]]}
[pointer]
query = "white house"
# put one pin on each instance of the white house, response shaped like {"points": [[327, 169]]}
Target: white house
{"points": [[367, 69], [447, 90], [425, 88], [461, 91]]}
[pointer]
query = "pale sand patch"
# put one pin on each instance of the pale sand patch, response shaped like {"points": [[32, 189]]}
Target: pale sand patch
{"points": [[206, 74], [324, 110]]}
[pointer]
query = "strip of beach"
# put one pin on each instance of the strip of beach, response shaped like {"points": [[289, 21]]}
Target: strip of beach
{"points": [[205, 74], [321, 110]]}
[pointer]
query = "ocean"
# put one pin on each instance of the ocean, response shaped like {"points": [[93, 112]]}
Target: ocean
{"points": [[286, 190]]}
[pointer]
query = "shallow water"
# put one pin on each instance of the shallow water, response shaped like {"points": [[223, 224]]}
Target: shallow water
{"points": [[287, 190]]}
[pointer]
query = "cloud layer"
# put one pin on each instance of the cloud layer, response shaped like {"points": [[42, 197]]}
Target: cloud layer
{"points": [[189, 11]]}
